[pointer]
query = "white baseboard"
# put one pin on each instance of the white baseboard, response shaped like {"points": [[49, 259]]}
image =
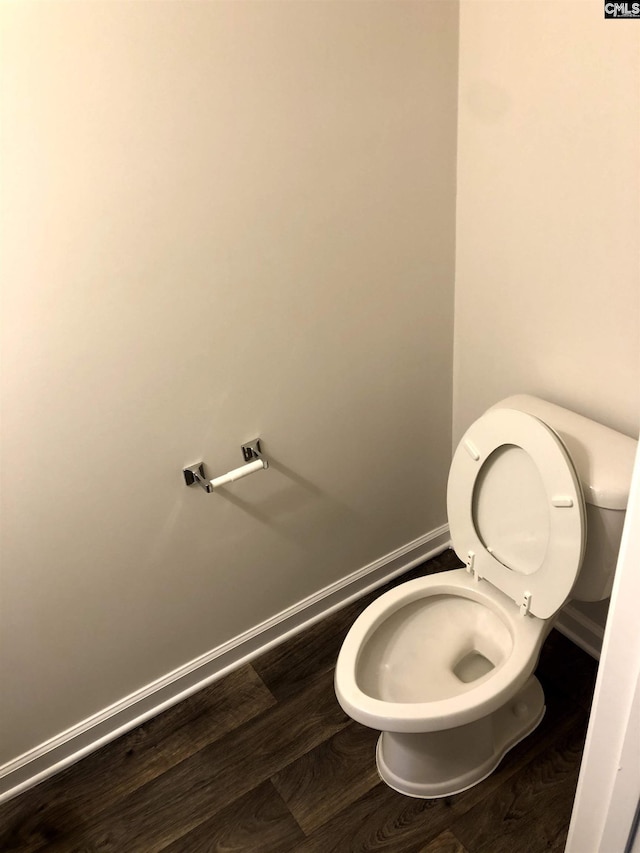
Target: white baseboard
{"points": [[70, 746], [581, 630]]}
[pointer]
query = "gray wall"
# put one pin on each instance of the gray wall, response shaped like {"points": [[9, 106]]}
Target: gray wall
{"points": [[548, 210], [220, 220]]}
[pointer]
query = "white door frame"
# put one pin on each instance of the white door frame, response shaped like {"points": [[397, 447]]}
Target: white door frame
{"points": [[609, 783]]}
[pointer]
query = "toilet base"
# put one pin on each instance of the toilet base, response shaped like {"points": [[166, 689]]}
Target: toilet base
{"points": [[429, 765]]}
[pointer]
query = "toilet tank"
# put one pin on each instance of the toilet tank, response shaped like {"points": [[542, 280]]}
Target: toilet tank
{"points": [[603, 459]]}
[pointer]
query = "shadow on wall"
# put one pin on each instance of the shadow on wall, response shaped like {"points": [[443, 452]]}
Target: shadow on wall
{"points": [[294, 507]]}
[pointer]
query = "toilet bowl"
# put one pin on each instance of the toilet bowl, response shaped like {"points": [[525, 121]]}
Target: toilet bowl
{"points": [[438, 654], [443, 665]]}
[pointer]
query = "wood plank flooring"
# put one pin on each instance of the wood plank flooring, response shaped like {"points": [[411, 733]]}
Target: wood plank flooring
{"points": [[265, 760]]}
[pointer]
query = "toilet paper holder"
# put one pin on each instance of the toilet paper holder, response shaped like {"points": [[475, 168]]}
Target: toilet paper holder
{"points": [[251, 453]]}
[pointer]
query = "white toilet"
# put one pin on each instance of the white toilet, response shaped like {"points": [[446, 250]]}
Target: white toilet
{"points": [[443, 665]]}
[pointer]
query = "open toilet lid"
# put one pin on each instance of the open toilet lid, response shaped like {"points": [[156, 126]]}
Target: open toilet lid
{"points": [[516, 510]]}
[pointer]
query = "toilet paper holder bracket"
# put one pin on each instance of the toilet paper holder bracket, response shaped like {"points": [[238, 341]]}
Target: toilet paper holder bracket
{"points": [[251, 453]]}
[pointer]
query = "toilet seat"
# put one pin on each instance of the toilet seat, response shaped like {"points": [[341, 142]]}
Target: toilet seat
{"points": [[516, 510]]}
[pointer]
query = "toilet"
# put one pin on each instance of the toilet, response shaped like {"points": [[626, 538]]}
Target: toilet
{"points": [[443, 665]]}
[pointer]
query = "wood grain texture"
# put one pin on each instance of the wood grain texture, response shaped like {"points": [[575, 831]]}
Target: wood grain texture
{"points": [[265, 760], [330, 777], [383, 821], [176, 802], [74, 798], [444, 843], [259, 821]]}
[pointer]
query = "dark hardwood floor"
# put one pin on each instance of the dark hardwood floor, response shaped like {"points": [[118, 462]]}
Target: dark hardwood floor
{"points": [[265, 760]]}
